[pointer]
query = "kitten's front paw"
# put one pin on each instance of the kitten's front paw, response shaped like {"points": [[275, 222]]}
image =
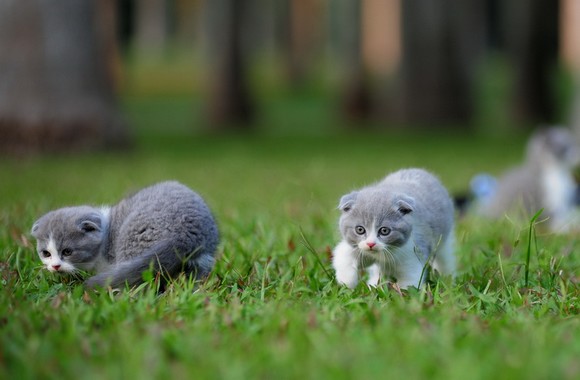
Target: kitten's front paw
{"points": [[374, 276], [348, 278], [345, 265]]}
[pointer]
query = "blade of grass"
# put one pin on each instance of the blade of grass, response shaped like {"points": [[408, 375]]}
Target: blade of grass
{"points": [[532, 232], [309, 246]]}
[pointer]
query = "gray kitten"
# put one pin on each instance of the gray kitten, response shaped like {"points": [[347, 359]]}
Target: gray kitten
{"points": [[167, 227], [394, 228], [545, 180]]}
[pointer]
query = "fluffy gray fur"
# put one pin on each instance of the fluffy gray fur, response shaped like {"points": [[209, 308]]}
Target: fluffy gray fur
{"points": [[545, 180], [394, 228], [166, 227]]}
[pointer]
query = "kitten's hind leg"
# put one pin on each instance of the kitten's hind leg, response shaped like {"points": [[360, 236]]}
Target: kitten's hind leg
{"points": [[345, 264], [374, 272], [444, 261], [410, 273], [201, 266]]}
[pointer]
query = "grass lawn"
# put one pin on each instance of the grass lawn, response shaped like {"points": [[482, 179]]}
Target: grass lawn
{"points": [[271, 308]]}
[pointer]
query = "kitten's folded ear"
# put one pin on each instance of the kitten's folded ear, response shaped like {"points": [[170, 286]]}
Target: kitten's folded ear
{"points": [[90, 223], [34, 228], [347, 201], [405, 205]]}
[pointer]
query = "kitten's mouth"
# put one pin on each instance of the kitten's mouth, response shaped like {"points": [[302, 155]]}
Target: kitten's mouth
{"points": [[58, 270]]}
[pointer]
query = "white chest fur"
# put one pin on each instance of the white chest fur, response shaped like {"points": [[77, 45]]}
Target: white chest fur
{"points": [[559, 188]]}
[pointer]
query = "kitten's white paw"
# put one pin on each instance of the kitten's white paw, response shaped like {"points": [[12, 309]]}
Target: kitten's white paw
{"points": [[347, 277], [374, 272], [345, 265]]}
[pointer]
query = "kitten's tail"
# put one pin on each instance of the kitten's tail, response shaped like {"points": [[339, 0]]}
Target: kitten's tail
{"points": [[164, 258]]}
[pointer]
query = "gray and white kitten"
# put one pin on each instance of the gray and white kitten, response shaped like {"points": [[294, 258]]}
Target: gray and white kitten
{"points": [[167, 227], [545, 180], [394, 228]]}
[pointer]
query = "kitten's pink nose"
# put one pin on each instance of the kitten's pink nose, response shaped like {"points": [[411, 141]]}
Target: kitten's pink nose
{"points": [[56, 267], [371, 244]]}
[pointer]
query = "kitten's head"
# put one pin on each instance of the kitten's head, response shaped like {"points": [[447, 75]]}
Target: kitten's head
{"points": [[69, 239], [375, 220], [555, 144]]}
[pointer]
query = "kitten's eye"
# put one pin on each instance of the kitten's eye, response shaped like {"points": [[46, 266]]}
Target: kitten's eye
{"points": [[384, 231], [66, 252], [45, 253], [359, 230]]}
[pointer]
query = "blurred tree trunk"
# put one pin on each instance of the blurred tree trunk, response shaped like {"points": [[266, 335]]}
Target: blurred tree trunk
{"points": [[107, 24], [56, 77], [125, 28], [443, 41], [186, 21], [283, 42], [304, 36], [152, 26], [574, 118], [230, 103], [381, 36], [356, 99], [532, 43]]}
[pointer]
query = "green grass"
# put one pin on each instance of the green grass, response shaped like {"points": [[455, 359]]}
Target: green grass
{"points": [[271, 308]]}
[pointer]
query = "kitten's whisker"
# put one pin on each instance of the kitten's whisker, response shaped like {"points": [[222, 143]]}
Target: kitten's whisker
{"points": [[389, 257], [362, 258], [359, 256]]}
